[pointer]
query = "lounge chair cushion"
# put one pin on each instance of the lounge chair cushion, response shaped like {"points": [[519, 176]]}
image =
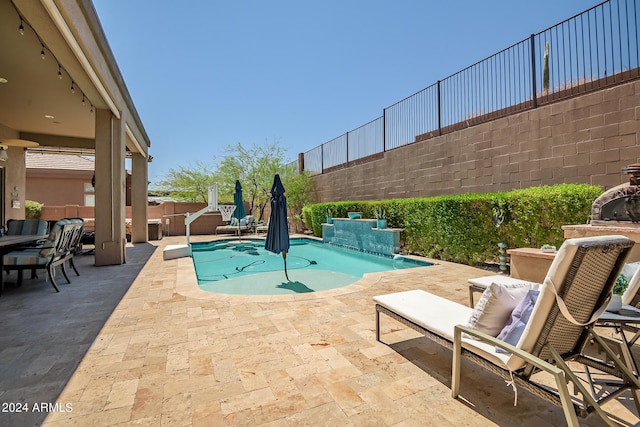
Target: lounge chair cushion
{"points": [[512, 331], [439, 315], [552, 282], [492, 311]]}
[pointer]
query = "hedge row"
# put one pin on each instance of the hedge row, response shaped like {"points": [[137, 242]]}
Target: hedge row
{"points": [[467, 228]]}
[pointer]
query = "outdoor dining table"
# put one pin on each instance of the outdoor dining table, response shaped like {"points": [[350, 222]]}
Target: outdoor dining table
{"points": [[12, 242]]}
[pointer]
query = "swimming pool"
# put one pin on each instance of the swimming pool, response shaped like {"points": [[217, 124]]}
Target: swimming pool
{"points": [[245, 267]]}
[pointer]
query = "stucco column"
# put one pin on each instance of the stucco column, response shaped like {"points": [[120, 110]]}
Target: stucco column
{"points": [[110, 189], [139, 193]]}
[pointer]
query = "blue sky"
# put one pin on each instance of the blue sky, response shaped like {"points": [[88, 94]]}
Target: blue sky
{"points": [[205, 74]]}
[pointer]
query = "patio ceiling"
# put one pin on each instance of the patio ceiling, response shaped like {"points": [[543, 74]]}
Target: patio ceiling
{"points": [[36, 96]]}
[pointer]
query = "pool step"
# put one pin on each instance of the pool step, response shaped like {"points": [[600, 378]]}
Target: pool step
{"points": [[176, 251]]}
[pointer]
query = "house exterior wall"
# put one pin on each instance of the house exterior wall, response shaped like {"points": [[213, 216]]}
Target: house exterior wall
{"points": [[586, 139], [57, 191], [57, 187]]}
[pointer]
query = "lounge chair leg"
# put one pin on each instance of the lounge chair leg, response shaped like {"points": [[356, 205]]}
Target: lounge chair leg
{"points": [[567, 403], [377, 324], [565, 397], [19, 283], [455, 364]]}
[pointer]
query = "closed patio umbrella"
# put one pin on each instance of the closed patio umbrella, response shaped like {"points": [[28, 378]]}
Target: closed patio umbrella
{"points": [[239, 213], [278, 230]]}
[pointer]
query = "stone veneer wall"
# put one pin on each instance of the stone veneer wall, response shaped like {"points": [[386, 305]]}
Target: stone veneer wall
{"points": [[586, 139]]}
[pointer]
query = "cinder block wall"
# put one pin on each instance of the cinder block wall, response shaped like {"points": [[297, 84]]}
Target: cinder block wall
{"points": [[586, 139]]}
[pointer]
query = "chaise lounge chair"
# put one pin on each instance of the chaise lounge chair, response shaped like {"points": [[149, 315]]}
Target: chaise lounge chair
{"points": [[575, 291], [631, 297], [262, 227], [632, 294], [246, 225]]}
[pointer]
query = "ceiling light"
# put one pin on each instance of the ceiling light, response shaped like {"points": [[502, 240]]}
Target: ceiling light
{"points": [[59, 72], [3, 80], [21, 27], [48, 116], [3, 154], [42, 52], [73, 88]]}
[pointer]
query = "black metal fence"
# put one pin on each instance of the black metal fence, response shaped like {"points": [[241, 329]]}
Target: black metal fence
{"points": [[594, 49]]}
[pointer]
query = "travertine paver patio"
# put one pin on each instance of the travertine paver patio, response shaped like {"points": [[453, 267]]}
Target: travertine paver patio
{"points": [[173, 355]]}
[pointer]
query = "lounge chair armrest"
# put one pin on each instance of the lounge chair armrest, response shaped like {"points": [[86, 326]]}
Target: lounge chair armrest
{"points": [[481, 336], [556, 372]]}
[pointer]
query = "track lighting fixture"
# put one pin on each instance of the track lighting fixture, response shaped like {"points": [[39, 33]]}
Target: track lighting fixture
{"points": [[43, 55]]}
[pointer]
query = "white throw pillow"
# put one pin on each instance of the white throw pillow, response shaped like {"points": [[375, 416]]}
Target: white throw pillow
{"points": [[493, 309]]}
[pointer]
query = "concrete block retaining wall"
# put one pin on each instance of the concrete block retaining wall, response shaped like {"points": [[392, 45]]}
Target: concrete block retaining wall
{"points": [[586, 139]]}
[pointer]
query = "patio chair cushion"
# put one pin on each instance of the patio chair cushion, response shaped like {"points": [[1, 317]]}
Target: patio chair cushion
{"points": [[39, 256], [512, 331], [492, 311], [25, 258], [26, 227]]}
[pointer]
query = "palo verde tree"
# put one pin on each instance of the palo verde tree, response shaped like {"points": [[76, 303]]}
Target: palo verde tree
{"points": [[188, 184], [299, 191], [255, 167]]}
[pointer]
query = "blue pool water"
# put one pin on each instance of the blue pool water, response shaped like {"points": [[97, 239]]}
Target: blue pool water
{"points": [[245, 267]]}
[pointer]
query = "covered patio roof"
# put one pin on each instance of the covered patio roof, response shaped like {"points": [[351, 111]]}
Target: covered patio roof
{"points": [[60, 87], [37, 97]]}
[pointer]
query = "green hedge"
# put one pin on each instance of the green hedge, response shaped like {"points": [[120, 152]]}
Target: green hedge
{"points": [[461, 228], [32, 210]]}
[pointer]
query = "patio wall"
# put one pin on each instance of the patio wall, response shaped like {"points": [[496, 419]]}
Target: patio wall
{"points": [[586, 139], [171, 215]]}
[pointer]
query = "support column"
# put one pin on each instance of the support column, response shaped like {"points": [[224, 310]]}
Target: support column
{"points": [[110, 237], [139, 196]]}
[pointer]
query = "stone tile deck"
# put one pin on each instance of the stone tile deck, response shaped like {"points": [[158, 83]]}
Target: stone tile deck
{"points": [[140, 344]]}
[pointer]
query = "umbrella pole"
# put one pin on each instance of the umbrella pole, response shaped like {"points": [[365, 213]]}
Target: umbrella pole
{"points": [[284, 258]]}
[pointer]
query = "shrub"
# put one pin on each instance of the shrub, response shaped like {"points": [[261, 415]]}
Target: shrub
{"points": [[467, 228], [32, 209]]}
